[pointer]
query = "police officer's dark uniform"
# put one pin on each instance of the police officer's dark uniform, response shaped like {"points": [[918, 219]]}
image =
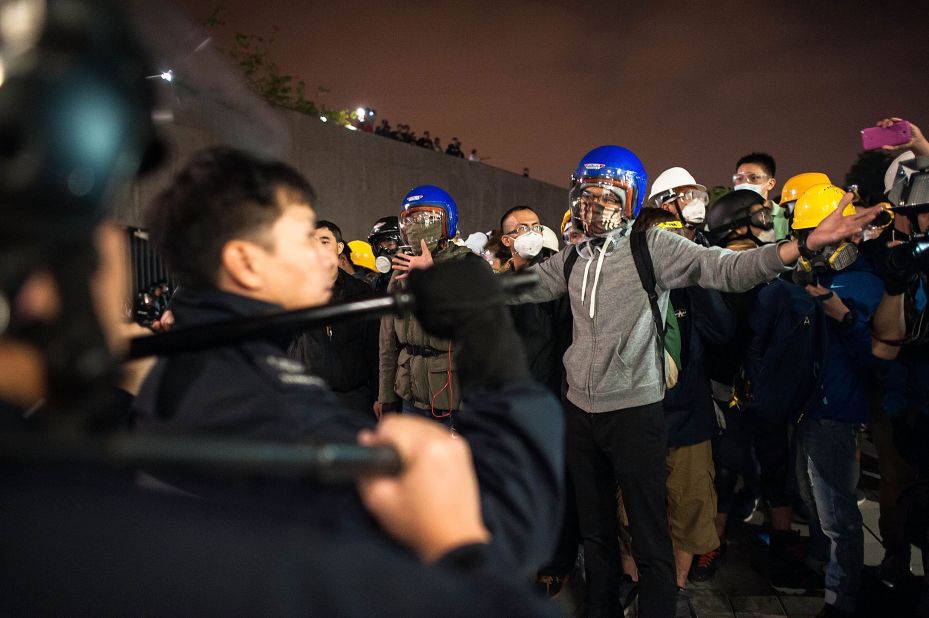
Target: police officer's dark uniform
{"points": [[253, 390]]}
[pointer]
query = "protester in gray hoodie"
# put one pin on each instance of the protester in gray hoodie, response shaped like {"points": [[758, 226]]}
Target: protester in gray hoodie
{"points": [[615, 366]]}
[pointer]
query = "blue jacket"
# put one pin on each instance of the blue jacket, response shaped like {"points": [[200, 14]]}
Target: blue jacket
{"points": [[848, 365]]}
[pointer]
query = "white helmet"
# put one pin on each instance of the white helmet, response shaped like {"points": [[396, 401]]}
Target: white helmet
{"points": [[549, 238], [895, 172], [671, 179]]}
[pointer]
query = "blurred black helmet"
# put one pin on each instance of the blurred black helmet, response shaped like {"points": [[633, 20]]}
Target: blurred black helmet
{"points": [[729, 212]]}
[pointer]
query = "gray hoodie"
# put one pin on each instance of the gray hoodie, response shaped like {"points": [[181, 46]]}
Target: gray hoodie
{"points": [[613, 361]]}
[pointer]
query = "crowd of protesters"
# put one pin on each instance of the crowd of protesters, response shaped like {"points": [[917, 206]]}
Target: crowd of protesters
{"points": [[669, 360], [767, 372]]}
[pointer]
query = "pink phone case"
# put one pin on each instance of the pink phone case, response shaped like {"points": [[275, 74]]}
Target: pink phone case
{"points": [[873, 138]]}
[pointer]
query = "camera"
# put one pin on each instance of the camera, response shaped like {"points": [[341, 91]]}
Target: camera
{"points": [[910, 257], [909, 196], [151, 303]]}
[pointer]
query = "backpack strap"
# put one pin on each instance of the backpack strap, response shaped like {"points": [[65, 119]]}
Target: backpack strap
{"points": [[569, 261], [646, 269]]}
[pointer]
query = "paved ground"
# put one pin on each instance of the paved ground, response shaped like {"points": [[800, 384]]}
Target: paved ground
{"points": [[738, 591]]}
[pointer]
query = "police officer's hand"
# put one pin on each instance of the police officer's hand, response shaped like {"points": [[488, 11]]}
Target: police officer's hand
{"points": [[453, 295], [433, 506], [463, 301]]}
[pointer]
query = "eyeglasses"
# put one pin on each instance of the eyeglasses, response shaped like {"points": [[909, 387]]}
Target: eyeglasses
{"points": [[750, 178], [522, 228]]}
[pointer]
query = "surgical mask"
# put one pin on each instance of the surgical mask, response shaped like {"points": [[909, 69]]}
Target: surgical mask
{"points": [[756, 188], [528, 245], [767, 236], [694, 212]]}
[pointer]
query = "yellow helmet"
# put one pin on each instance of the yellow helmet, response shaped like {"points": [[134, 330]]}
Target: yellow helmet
{"points": [[362, 254], [816, 204], [797, 185], [565, 219]]}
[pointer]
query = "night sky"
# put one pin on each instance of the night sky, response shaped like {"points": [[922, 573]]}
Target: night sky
{"points": [[537, 84]]}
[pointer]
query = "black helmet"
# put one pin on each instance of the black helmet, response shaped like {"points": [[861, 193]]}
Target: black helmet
{"points": [[386, 228], [729, 212]]}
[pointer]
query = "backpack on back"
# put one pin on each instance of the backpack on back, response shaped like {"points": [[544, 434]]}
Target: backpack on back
{"points": [[782, 375]]}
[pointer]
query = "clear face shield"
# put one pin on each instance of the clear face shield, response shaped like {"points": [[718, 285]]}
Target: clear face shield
{"points": [[423, 223], [601, 208]]}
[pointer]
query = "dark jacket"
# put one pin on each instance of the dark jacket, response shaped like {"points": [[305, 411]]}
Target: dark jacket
{"points": [[545, 330], [703, 318], [250, 389], [848, 364], [344, 354], [253, 389]]}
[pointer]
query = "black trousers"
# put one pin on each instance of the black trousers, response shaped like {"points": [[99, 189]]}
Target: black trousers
{"points": [[625, 447]]}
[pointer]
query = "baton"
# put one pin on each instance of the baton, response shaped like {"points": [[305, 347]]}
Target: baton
{"points": [[216, 334], [331, 463]]}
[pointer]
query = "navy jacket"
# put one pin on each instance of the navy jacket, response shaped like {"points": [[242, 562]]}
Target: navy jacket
{"points": [[252, 389], [703, 318], [848, 365]]}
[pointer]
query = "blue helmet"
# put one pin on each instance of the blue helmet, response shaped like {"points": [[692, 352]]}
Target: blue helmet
{"points": [[619, 167], [430, 195]]}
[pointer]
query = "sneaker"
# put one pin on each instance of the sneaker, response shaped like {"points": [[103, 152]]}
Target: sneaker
{"points": [[704, 566], [684, 608], [628, 591], [792, 576], [745, 506], [894, 570]]}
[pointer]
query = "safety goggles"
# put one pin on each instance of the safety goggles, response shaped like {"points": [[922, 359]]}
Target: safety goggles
{"points": [[684, 197], [751, 178]]}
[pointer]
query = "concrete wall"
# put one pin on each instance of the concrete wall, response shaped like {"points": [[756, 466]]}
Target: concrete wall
{"points": [[361, 177]]}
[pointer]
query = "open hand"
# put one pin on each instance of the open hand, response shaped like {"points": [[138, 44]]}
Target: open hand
{"points": [[405, 263], [836, 227]]}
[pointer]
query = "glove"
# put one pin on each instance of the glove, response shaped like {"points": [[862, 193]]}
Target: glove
{"points": [[897, 269], [463, 301]]}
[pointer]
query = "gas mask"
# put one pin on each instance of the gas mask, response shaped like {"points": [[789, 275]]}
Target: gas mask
{"points": [[830, 258], [528, 245], [418, 225]]}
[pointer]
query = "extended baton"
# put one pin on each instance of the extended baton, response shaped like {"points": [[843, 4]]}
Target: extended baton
{"points": [[215, 334]]}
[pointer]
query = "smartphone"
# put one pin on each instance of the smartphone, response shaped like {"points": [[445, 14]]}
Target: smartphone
{"points": [[874, 138], [405, 249]]}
